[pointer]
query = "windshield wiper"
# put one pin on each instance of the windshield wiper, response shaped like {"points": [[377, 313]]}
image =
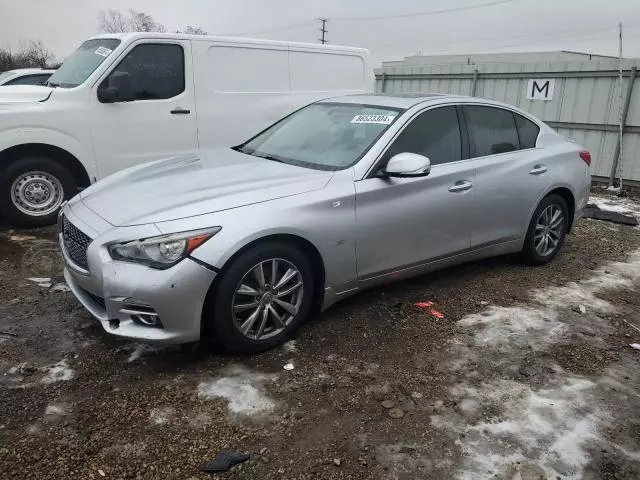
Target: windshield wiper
{"points": [[52, 84], [268, 157]]}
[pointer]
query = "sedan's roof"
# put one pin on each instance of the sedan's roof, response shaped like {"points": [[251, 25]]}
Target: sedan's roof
{"points": [[394, 100]]}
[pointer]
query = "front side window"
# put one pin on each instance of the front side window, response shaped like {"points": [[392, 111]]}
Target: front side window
{"points": [[151, 71], [492, 130], [323, 136], [83, 62], [434, 134]]}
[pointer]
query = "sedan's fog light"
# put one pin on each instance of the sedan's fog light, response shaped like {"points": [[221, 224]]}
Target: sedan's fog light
{"points": [[141, 313]]}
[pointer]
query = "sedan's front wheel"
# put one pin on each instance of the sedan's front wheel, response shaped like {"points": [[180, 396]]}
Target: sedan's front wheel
{"points": [[547, 230], [262, 298]]}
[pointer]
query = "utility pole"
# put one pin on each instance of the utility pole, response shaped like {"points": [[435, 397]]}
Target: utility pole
{"points": [[323, 30], [622, 119]]}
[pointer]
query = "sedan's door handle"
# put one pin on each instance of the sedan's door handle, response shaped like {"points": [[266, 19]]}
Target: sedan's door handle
{"points": [[538, 170], [180, 111], [460, 186]]}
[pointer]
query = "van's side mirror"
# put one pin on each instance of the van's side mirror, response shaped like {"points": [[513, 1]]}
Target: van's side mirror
{"points": [[118, 87], [407, 165], [108, 94]]}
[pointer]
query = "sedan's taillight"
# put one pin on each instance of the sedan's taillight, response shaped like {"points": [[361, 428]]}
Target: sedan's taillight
{"points": [[586, 156]]}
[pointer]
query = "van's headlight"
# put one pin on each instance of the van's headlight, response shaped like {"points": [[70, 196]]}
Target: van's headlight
{"points": [[163, 251]]}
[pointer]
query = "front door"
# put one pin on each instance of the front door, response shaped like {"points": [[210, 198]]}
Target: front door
{"points": [[406, 222], [158, 119]]}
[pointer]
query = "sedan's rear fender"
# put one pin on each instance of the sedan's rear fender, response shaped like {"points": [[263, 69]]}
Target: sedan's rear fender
{"points": [[568, 176]]}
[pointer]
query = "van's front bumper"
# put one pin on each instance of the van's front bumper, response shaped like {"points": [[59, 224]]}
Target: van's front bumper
{"points": [[127, 297]]}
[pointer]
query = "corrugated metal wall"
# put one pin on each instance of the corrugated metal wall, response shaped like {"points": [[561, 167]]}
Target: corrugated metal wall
{"points": [[585, 105]]}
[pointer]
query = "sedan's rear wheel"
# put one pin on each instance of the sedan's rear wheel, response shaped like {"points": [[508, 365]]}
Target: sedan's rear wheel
{"points": [[261, 298], [547, 231]]}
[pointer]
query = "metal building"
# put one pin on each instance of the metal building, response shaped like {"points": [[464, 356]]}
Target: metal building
{"points": [[577, 94]]}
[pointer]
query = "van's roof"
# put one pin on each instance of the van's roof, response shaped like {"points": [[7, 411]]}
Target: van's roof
{"points": [[394, 100], [254, 41]]}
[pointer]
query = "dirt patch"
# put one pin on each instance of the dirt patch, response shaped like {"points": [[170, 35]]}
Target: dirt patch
{"points": [[509, 375], [583, 358]]}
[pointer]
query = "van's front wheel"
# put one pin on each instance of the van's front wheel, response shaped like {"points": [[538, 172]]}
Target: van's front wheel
{"points": [[32, 190]]}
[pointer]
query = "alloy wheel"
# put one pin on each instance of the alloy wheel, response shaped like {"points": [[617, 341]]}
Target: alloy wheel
{"points": [[549, 230], [267, 299]]}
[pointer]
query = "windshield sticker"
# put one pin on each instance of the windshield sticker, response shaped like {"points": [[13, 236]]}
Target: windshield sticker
{"points": [[103, 51], [382, 119]]}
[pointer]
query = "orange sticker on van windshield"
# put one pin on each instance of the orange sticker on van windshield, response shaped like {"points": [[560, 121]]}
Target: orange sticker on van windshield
{"points": [[382, 119]]}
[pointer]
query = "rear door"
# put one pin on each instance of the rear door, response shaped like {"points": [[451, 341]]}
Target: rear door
{"points": [[160, 120], [406, 222], [511, 173]]}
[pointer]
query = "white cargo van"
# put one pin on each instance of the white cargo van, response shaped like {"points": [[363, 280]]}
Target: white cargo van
{"points": [[120, 100]]}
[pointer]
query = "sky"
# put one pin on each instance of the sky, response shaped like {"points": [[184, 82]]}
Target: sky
{"points": [[398, 28]]}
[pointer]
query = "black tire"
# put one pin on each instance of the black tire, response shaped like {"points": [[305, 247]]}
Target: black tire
{"points": [[13, 171], [529, 253], [219, 325]]}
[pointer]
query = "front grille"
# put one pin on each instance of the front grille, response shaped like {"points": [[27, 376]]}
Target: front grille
{"points": [[76, 243]]}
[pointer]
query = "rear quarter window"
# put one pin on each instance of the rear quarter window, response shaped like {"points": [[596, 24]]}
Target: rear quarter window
{"points": [[527, 131]]}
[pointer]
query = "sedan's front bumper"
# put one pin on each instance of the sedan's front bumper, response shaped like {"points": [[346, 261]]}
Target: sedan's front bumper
{"points": [[124, 296], [175, 296]]}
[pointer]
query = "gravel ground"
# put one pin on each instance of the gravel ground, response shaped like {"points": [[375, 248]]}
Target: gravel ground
{"points": [[528, 375]]}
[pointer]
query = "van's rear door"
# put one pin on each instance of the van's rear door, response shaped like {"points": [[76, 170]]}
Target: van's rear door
{"points": [[153, 115]]}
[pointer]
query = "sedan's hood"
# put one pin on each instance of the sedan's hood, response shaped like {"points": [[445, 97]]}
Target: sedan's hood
{"points": [[24, 93], [187, 186]]}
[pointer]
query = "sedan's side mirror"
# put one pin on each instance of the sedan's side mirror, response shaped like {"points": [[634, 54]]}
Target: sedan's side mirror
{"points": [[407, 165]]}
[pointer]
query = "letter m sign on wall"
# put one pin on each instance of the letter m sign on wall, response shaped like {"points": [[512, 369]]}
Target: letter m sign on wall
{"points": [[540, 90]]}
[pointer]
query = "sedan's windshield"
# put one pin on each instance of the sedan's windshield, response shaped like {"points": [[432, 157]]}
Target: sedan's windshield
{"points": [[83, 62], [325, 136]]}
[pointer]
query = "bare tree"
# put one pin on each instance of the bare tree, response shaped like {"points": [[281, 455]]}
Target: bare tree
{"points": [[143, 22], [114, 21], [31, 55], [193, 31]]}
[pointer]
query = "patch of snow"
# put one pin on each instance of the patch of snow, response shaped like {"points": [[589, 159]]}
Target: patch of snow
{"points": [[57, 373], [552, 425], [141, 350], [161, 416], [44, 282], [56, 410], [243, 389], [289, 366], [21, 238], [290, 346], [619, 205]]}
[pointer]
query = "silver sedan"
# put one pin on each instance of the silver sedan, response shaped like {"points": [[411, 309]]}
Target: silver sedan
{"points": [[238, 245]]}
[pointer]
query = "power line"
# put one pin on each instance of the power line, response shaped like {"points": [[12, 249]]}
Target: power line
{"points": [[323, 30], [430, 12]]}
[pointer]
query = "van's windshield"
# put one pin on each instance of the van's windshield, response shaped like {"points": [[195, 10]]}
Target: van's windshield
{"points": [[83, 62]]}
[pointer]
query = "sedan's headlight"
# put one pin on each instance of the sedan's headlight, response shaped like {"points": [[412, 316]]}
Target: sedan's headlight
{"points": [[163, 251]]}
